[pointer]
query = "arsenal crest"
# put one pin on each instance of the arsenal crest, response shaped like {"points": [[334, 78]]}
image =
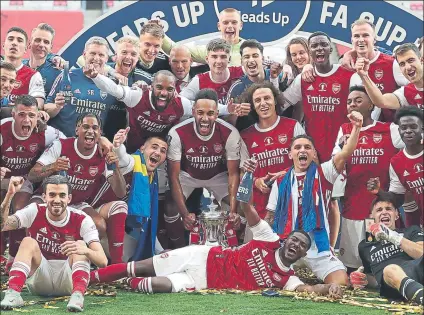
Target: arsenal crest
{"points": [[378, 73], [336, 88], [17, 84], [282, 138], [93, 170], [377, 137], [276, 277], [217, 147], [103, 95], [33, 147]]}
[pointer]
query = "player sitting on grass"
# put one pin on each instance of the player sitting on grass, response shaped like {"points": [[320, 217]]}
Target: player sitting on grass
{"points": [[261, 263]]}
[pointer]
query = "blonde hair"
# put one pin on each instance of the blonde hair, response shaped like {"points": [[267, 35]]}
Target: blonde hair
{"points": [[130, 40], [363, 22]]}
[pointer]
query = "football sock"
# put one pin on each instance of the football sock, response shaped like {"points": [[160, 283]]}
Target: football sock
{"points": [[112, 273], [18, 275], [80, 276], [411, 290], [143, 285], [116, 230], [412, 214]]}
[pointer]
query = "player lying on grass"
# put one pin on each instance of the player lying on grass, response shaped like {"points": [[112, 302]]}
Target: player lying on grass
{"points": [[261, 263]]}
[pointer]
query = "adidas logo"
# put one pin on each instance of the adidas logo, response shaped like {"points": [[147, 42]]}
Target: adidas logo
{"points": [[44, 230], [405, 173], [417, 97], [264, 253], [147, 113], [9, 149], [310, 88], [254, 145], [190, 150]]}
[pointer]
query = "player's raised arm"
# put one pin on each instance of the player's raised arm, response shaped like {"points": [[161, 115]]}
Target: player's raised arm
{"points": [[7, 222], [129, 96], [340, 158], [388, 100]]}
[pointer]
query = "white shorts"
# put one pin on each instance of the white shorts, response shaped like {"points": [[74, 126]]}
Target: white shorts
{"points": [[184, 267], [339, 186], [52, 278], [26, 187], [322, 266], [352, 233], [218, 185], [163, 178]]}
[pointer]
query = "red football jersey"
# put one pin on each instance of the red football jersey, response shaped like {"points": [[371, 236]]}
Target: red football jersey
{"points": [[270, 147], [203, 157], [146, 121], [406, 174], [51, 234], [252, 266], [28, 81], [206, 82], [410, 95], [377, 144], [84, 173], [20, 154], [324, 106]]}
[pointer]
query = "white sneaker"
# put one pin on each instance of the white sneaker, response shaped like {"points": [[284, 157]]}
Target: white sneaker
{"points": [[76, 302], [12, 299]]}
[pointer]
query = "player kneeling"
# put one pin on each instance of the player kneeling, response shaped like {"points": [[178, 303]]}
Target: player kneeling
{"points": [[54, 259], [260, 263]]}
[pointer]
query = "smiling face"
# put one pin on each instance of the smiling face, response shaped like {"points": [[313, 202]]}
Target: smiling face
{"points": [[410, 130], [363, 39], [411, 66], [302, 152], [8, 81], [299, 55], [264, 103], [320, 50], [126, 57], [15, 45], [251, 61], [149, 47], [295, 247], [25, 118], [88, 133], [154, 151], [180, 62], [358, 101], [385, 213], [230, 26], [205, 113], [218, 61], [163, 91], [41, 43], [97, 55], [57, 199]]}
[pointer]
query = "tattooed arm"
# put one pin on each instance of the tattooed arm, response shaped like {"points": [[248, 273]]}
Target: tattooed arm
{"points": [[39, 171], [7, 222]]}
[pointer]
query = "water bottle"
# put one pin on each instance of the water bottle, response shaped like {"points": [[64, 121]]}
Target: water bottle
{"points": [[245, 188], [65, 84]]}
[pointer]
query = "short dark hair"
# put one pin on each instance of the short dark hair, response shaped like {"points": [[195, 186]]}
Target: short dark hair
{"points": [[409, 111], [7, 66], [247, 97], [319, 33], [304, 136], [383, 198], [304, 233], [26, 100], [166, 73], [206, 94], [56, 180], [19, 30], [88, 114], [251, 43], [163, 138], [402, 49], [361, 88], [218, 44]]}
